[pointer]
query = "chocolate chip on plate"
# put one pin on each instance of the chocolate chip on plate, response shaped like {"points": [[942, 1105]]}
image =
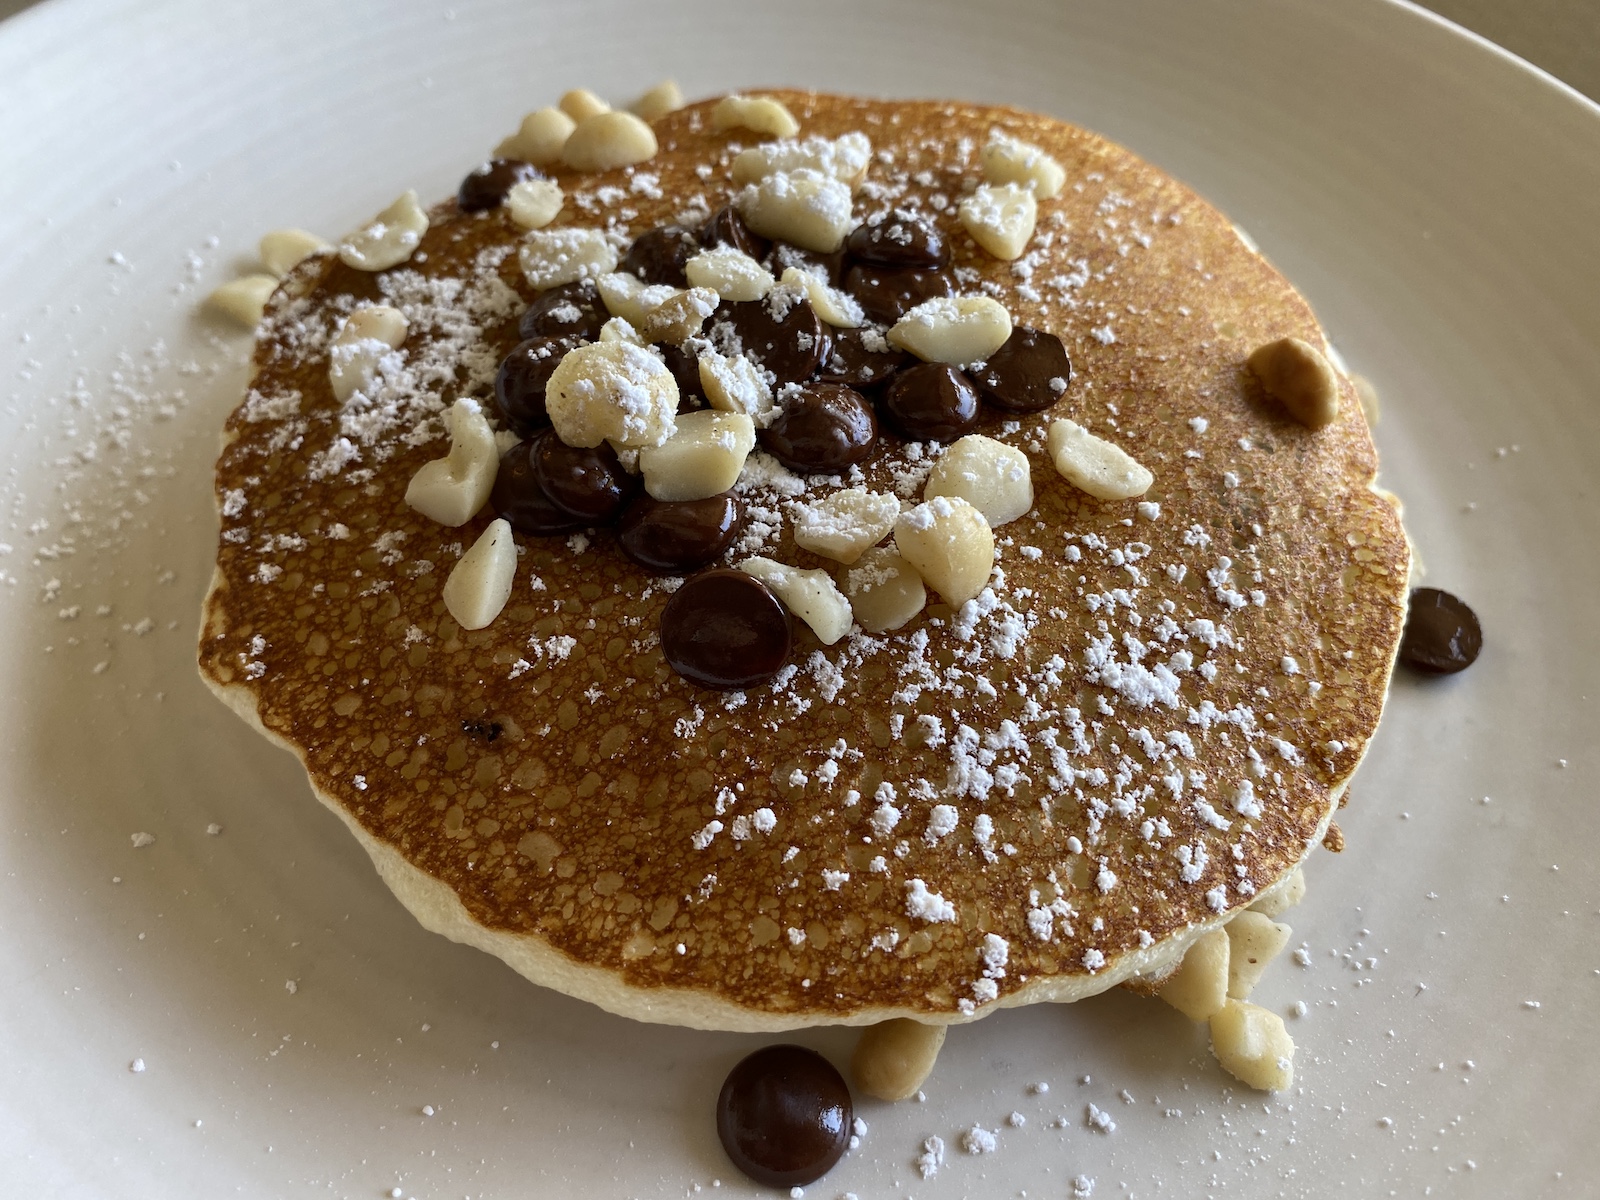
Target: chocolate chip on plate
{"points": [[822, 429], [1442, 635], [685, 368], [931, 402], [887, 293], [658, 255], [573, 309], [784, 1116], [520, 382], [1028, 374], [726, 227], [519, 497], [679, 536], [723, 629], [488, 185], [851, 362], [780, 333], [899, 240], [587, 484]]}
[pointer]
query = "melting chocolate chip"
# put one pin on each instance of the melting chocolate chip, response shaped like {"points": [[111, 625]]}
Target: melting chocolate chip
{"points": [[931, 402], [780, 333], [1028, 374], [521, 499], [685, 368], [587, 484], [658, 255], [679, 536], [899, 240], [726, 227], [784, 1116], [488, 185], [723, 629], [784, 256], [571, 310], [519, 384], [822, 429], [1442, 634], [887, 293], [850, 362]]}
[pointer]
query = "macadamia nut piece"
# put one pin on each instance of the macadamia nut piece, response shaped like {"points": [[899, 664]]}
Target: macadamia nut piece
{"points": [[1283, 895], [480, 583], [665, 97], [844, 158], [885, 590], [580, 104], [552, 257], [759, 114], [1254, 940], [612, 392], [244, 299], [810, 595], [389, 239], [1008, 160], [680, 316], [534, 203], [805, 207], [735, 384], [1253, 1046], [845, 524], [366, 338], [953, 329], [283, 250], [1199, 987], [731, 273], [894, 1059], [451, 490], [836, 308], [1000, 218], [540, 138], [1298, 376], [991, 476], [1095, 465], [608, 140], [618, 330], [949, 544], [702, 458]]}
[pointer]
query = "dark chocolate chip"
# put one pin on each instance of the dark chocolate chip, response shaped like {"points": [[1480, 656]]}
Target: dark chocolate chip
{"points": [[685, 368], [1028, 374], [784, 256], [726, 227], [489, 184], [1442, 634], [519, 384], [679, 536], [571, 310], [887, 293], [784, 1116], [931, 402], [899, 240], [822, 429], [658, 255], [780, 333], [589, 485], [850, 362], [724, 629], [521, 500]]}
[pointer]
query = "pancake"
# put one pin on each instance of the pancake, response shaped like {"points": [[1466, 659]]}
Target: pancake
{"points": [[1143, 725]]}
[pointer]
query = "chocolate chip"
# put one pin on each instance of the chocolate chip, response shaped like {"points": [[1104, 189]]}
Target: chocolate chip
{"points": [[850, 362], [589, 485], [931, 402], [886, 293], [685, 368], [1028, 374], [723, 629], [658, 255], [784, 1116], [680, 536], [1442, 634], [899, 240], [519, 384], [573, 309], [780, 333], [521, 500], [784, 256], [488, 185], [726, 227], [822, 429]]}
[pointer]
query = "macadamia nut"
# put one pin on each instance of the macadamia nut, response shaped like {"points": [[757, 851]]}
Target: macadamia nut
{"points": [[845, 524], [735, 384], [805, 207], [665, 97], [608, 140], [732, 274], [367, 336], [885, 590], [580, 104], [244, 299], [1254, 940], [1199, 987], [283, 250], [1000, 218], [844, 158], [1009, 160], [1298, 376], [480, 583], [540, 138], [612, 392], [680, 316], [953, 329], [759, 114], [389, 239], [451, 490], [895, 1058], [836, 308], [1253, 1046], [534, 203], [1095, 465], [810, 595], [991, 476], [702, 458], [949, 544], [552, 257]]}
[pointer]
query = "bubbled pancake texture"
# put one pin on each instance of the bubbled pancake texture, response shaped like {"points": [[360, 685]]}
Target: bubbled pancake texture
{"points": [[1089, 722]]}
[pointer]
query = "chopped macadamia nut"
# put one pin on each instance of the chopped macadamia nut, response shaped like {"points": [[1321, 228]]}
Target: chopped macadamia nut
{"points": [[759, 114], [1008, 160], [1254, 940], [844, 158], [894, 1059], [836, 308], [885, 590], [612, 392], [581, 104], [679, 317], [702, 458], [842, 526], [1199, 987], [1298, 376], [665, 97], [991, 476], [950, 544], [1253, 1046], [244, 299], [731, 273], [953, 329], [452, 489], [552, 257], [810, 595], [1095, 465], [608, 140], [805, 207], [540, 139], [1282, 896], [1000, 218], [389, 239], [366, 337], [534, 203], [283, 250], [480, 584], [735, 384], [618, 330], [631, 298]]}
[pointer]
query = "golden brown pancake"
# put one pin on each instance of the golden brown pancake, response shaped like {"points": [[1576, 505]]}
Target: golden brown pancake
{"points": [[1144, 724]]}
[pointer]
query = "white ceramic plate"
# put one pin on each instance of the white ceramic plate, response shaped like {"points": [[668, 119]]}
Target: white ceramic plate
{"points": [[1435, 199]]}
